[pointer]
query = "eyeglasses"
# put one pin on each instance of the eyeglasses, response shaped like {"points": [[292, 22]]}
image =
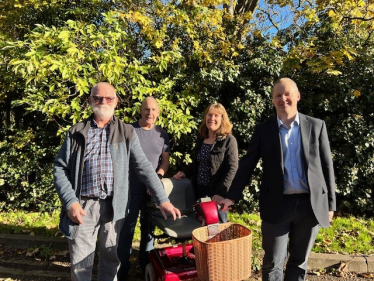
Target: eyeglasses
{"points": [[100, 99]]}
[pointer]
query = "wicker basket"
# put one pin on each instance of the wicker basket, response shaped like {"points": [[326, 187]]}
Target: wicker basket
{"points": [[225, 256]]}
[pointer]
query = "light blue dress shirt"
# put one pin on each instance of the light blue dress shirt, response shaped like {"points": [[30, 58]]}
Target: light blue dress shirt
{"points": [[294, 172]]}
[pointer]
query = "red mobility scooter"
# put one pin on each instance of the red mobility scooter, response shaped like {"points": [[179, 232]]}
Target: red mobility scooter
{"points": [[226, 246]]}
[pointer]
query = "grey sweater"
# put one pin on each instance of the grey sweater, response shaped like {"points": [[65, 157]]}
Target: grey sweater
{"points": [[125, 150]]}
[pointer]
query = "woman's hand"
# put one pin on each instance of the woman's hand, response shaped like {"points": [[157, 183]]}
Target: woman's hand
{"points": [[226, 204], [217, 199], [180, 175]]}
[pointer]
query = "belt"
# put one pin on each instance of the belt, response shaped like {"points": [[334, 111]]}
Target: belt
{"points": [[96, 198], [297, 196]]}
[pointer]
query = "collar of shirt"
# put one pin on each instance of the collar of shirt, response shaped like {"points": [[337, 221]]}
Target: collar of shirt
{"points": [[281, 124], [94, 124]]}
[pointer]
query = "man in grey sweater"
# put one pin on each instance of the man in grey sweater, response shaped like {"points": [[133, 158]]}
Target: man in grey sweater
{"points": [[91, 178], [155, 143]]}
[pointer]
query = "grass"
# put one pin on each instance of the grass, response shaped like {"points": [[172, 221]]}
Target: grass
{"points": [[38, 224], [347, 235]]}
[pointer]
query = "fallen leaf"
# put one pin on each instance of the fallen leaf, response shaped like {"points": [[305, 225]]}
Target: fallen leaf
{"points": [[33, 252], [314, 273], [328, 241], [366, 275], [62, 253]]}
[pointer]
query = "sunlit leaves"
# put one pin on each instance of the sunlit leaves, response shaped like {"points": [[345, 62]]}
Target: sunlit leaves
{"points": [[350, 21], [142, 51], [191, 53], [19, 17]]}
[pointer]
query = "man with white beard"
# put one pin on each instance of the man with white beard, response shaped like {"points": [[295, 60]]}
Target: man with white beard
{"points": [[91, 178]]}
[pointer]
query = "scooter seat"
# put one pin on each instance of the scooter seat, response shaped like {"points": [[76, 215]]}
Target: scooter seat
{"points": [[180, 228]]}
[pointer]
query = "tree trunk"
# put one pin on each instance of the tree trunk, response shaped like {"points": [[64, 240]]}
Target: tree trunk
{"points": [[244, 6], [230, 7]]}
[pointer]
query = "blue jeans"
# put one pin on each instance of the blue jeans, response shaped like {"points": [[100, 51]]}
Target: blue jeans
{"points": [[297, 231], [137, 203], [222, 216]]}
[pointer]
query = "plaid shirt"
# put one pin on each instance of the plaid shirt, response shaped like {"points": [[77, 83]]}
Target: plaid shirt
{"points": [[97, 181]]}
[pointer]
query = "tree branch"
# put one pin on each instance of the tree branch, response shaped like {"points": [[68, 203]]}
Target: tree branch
{"points": [[367, 39], [358, 18], [269, 18]]}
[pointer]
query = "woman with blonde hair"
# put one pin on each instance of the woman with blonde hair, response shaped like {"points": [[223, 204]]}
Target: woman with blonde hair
{"points": [[215, 158]]}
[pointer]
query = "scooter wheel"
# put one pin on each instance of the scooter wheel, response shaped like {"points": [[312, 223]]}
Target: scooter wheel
{"points": [[149, 273]]}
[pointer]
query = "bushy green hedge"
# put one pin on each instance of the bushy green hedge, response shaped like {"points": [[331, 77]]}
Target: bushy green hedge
{"points": [[26, 171], [187, 56]]}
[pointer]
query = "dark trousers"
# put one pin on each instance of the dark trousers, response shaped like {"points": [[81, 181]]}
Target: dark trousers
{"points": [[294, 235], [137, 204]]}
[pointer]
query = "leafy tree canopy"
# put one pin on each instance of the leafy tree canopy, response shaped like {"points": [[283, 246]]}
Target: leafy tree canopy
{"points": [[187, 54]]}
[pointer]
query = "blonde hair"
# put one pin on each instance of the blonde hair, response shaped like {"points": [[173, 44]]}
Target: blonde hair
{"points": [[226, 126]]}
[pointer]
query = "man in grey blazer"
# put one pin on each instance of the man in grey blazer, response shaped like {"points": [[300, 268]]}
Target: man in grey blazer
{"points": [[297, 193]]}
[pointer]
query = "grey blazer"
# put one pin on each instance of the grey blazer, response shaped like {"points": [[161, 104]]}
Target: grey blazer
{"points": [[266, 145]]}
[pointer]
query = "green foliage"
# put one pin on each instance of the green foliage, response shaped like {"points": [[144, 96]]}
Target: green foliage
{"points": [[19, 17], [152, 49], [32, 223], [28, 166], [61, 64], [187, 54], [346, 236], [43, 252]]}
